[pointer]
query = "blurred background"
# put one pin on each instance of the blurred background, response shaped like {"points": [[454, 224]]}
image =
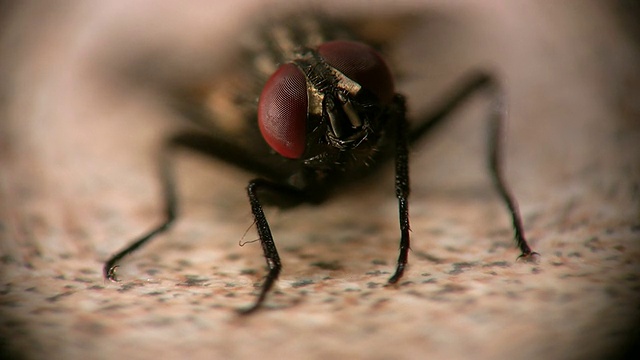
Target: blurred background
{"points": [[86, 90]]}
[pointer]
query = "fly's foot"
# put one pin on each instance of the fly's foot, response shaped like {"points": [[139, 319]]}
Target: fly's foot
{"points": [[399, 272], [530, 257], [110, 272]]}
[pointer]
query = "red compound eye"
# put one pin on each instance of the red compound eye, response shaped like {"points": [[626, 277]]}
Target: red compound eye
{"points": [[282, 111], [362, 64]]}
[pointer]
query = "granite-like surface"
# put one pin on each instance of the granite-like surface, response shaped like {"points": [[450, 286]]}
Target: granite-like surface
{"points": [[79, 133]]}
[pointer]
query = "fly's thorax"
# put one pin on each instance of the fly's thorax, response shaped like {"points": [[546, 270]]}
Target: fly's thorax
{"points": [[229, 101], [285, 41]]}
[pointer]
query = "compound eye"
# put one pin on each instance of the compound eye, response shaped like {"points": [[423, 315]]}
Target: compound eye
{"points": [[362, 64], [282, 111]]}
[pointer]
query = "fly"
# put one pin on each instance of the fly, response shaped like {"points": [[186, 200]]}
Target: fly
{"points": [[327, 113]]}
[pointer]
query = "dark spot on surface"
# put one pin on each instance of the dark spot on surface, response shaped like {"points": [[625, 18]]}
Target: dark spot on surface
{"points": [[416, 294], [620, 248], [329, 300], [376, 272], [128, 286], [378, 262], [292, 249], [513, 295], [112, 307], [7, 259], [372, 285], [184, 263], [6, 289], [461, 267], [301, 283], [564, 276], [93, 328], [83, 280], [152, 272], [502, 264], [594, 244], [452, 288], [193, 280], [328, 265], [9, 303], [159, 321], [57, 297], [612, 291], [428, 257]]}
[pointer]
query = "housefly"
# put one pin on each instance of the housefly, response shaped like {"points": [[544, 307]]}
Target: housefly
{"points": [[316, 106]]}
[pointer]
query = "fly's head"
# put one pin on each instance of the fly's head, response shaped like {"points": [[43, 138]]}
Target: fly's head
{"points": [[328, 104]]}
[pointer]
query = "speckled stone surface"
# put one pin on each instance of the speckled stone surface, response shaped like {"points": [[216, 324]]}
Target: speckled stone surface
{"points": [[81, 120]]}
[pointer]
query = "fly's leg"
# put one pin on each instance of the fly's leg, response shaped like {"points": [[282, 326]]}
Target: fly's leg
{"points": [[264, 232], [200, 142], [402, 185], [290, 196], [477, 83], [495, 164], [170, 214]]}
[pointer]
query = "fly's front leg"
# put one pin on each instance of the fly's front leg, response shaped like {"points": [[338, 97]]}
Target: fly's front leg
{"points": [[264, 232], [484, 82], [402, 185]]}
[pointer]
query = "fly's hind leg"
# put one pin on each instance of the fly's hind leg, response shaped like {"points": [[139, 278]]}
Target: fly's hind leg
{"points": [[483, 82]]}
